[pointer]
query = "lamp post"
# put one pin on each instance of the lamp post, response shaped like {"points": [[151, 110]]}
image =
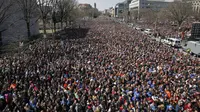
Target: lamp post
{"points": [[156, 18], [21, 44], [138, 9], [44, 36]]}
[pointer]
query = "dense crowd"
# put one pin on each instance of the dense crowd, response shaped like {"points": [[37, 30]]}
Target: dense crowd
{"points": [[112, 69], [168, 29]]}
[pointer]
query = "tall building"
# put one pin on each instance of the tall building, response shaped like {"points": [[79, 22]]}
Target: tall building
{"points": [[126, 15], [139, 5], [196, 5], [95, 5], [84, 6], [112, 11], [109, 11], [121, 8], [145, 4], [118, 10], [126, 4]]}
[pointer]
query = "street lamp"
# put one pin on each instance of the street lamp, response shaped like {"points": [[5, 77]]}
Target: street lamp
{"points": [[44, 36], [21, 44], [138, 9]]}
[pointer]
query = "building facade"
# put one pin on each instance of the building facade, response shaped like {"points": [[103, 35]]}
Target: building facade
{"points": [[196, 5], [85, 6], [106, 11], [119, 8], [134, 5], [95, 5], [126, 12], [140, 5], [126, 4], [145, 4], [110, 11]]}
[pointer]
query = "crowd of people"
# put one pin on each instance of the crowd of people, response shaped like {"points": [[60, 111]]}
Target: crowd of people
{"points": [[112, 69], [168, 29]]}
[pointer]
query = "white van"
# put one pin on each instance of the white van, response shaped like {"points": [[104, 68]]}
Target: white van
{"points": [[148, 31], [137, 28], [173, 42], [130, 25]]}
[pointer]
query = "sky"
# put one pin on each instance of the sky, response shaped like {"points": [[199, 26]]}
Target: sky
{"points": [[101, 4], [104, 4]]}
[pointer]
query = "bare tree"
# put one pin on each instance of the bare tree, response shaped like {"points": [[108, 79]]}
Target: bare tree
{"points": [[149, 15], [64, 8], [61, 6], [54, 14], [162, 17], [74, 15], [5, 6], [88, 12], [196, 15], [96, 13], [134, 15], [54, 20], [178, 12], [125, 15], [71, 12], [45, 8], [91, 12], [29, 10]]}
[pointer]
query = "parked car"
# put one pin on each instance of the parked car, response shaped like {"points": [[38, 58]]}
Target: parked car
{"points": [[130, 25], [142, 29], [148, 31], [137, 28]]}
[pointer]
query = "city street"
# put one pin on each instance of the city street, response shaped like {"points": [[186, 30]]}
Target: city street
{"points": [[106, 67], [99, 56]]}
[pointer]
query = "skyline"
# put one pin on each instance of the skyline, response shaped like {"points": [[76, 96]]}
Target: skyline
{"points": [[105, 4], [101, 4]]}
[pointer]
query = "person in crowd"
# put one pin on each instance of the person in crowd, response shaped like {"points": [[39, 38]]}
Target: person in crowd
{"points": [[112, 69]]}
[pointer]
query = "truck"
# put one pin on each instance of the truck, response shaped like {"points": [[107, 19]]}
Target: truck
{"points": [[193, 47]]}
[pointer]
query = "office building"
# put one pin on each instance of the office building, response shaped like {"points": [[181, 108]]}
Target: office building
{"points": [[121, 8], [112, 11], [140, 5], [95, 5], [85, 6], [145, 4], [126, 4], [196, 5]]}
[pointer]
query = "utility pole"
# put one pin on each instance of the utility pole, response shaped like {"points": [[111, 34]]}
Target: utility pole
{"points": [[95, 6], [44, 36], [139, 10], [157, 10]]}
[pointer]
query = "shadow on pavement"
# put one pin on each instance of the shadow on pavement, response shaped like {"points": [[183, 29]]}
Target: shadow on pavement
{"points": [[72, 33]]}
